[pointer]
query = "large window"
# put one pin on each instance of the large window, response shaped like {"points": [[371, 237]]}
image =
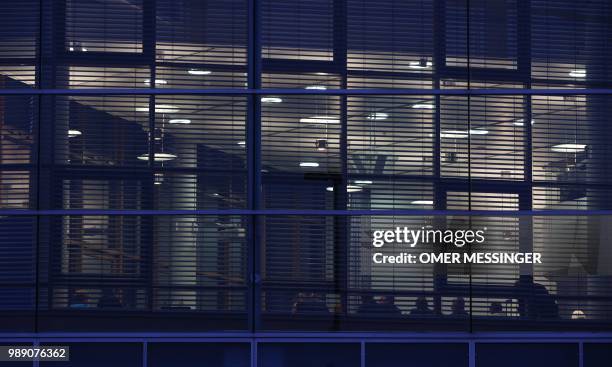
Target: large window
{"points": [[221, 164]]}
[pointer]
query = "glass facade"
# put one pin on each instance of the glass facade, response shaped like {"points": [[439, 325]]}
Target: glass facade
{"points": [[219, 166]]}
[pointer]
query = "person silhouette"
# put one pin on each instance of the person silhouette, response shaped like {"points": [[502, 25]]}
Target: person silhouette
{"points": [[535, 302], [421, 308], [458, 308]]}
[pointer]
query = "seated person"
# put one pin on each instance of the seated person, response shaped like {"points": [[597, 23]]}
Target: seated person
{"points": [[421, 308], [496, 309], [458, 308], [79, 300], [379, 306], [309, 303], [535, 302], [109, 299]]}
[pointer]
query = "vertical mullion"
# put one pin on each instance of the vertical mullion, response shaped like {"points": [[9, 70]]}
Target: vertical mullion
{"points": [[526, 194], [145, 353], [253, 139], [342, 223], [38, 77], [438, 189], [439, 63], [524, 67], [149, 42]]}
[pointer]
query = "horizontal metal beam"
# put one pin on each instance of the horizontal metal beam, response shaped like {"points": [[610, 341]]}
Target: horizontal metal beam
{"points": [[380, 336], [415, 212], [290, 91]]}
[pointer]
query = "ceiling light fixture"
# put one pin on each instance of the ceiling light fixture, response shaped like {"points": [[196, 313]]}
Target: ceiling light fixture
{"points": [[242, 143], [462, 134], [160, 108], [271, 100], [73, 133], [158, 157], [521, 122], [479, 132], [157, 81], [422, 202], [580, 73], [454, 134], [199, 72], [363, 182], [569, 148], [316, 87], [378, 116], [309, 164], [349, 188], [421, 64], [179, 121], [320, 120], [423, 106], [353, 188]]}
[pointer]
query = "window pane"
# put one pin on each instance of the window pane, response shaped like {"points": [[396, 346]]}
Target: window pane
{"points": [[298, 30], [93, 26], [430, 355], [17, 273], [119, 273], [528, 355], [308, 355], [199, 354], [100, 355], [597, 354]]}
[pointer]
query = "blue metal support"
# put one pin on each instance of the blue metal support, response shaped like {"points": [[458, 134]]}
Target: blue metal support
{"points": [[253, 139]]}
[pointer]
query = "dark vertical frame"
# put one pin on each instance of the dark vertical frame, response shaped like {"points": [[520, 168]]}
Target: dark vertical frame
{"points": [[149, 44], [253, 145], [342, 248], [524, 70]]}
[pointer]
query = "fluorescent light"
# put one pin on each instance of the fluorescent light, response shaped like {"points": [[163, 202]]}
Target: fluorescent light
{"points": [[580, 73], [422, 202], [454, 134], [73, 133], [423, 106], [521, 122], [242, 143], [568, 148], [158, 157], [199, 72], [349, 188], [377, 116], [363, 182], [157, 81], [309, 164], [353, 188], [479, 132], [179, 121], [160, 108], [320, 120], [421, 64], [317, 87], [320, 73], [462, 134], [271, 100]]}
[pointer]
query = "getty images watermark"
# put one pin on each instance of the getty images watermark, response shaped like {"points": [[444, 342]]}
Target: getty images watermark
{"points": [[448, 247]]}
